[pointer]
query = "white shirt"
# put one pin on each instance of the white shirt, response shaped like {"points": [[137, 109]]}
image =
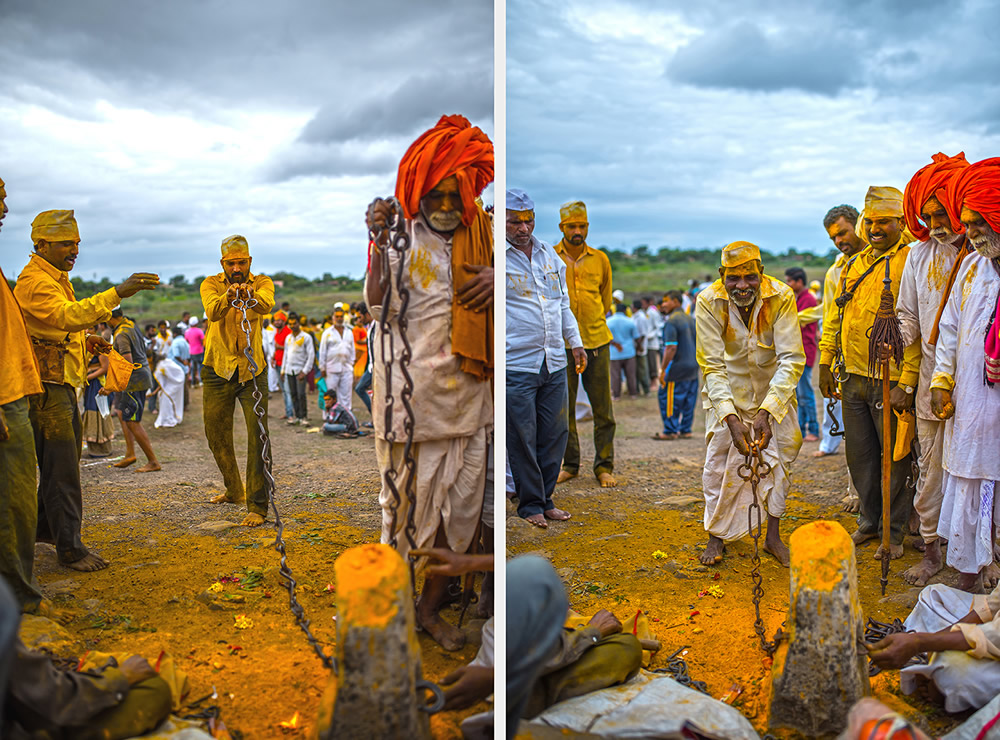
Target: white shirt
{"points": [[654, 339], [336, 352], [641, 331], [299, 354]]}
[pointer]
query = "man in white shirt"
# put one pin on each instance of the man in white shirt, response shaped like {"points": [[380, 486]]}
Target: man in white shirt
{"points": [[654, 339], [295, 365], [336, 358]]}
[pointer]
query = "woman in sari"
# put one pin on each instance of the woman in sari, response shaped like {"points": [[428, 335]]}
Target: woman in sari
{"points": [[98, 429]]}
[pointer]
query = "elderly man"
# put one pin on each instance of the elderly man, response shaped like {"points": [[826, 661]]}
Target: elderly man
{"points": [[861, 287], [750, 352], [540, 324], [336, 358], [924, 288], [449, 275], [56, 322], [588, 282], [963, 386], [227, 375]]}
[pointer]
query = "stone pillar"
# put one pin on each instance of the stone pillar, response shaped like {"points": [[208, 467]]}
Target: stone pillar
{"points": [[373, 693], [820, 672]]}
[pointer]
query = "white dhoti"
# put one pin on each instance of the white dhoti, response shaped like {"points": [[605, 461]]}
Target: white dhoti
{"points": [[727, 496], [927, 502], [965, 682], [343, 383], [968, 509], [273, 379], [171, 377], [448, 487]]}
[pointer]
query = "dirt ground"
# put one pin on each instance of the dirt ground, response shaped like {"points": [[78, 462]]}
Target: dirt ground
{"points": [[155, 595], [604, 556]]}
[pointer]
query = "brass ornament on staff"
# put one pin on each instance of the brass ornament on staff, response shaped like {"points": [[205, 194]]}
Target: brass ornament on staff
{"points": [[885, 342]]}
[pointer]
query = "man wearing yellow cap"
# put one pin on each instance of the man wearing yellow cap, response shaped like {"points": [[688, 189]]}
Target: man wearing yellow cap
{"points": [[861, 287], [588, 279], [750, 351], [228, 377], [56, 322]]}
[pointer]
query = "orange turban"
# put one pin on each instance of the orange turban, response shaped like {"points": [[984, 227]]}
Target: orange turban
{"points": [[932, 179], [452, 147], [977, 187]]}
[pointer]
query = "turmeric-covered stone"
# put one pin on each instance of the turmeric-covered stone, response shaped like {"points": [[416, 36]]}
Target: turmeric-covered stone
{"points": [[820, 671]]}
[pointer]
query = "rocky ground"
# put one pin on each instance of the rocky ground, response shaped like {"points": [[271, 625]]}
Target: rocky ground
{"points": [[635, 548], [168, 545]]}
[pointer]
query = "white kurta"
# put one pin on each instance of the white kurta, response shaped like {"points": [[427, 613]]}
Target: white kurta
{"points": [[170, 376], [971, 457], [273, 373], [336, 362]]}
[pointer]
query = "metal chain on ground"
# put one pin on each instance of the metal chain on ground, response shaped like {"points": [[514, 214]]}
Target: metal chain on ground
{"points": [[677, 669], [243, 304], [752, 470], [398, 244], [876, 631]]}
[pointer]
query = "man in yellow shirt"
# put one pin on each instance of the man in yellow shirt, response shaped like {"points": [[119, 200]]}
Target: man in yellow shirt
{"points": [[861, 288], [228, 376], [588, 278], [56, 322], [749, 348]]}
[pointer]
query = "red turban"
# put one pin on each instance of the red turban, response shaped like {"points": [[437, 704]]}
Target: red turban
{"points": [[452, 147], [931, 180], [977, 187]]}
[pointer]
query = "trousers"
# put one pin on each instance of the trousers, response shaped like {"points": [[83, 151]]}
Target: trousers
{"points": [[18, 506], [677, 404], [597, 383]]}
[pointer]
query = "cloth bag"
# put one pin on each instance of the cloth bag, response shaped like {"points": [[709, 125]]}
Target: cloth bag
{"points": [[119, 372]]}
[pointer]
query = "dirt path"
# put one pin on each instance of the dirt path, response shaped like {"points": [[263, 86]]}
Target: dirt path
{"points": [[155, 596], [605, 557]]}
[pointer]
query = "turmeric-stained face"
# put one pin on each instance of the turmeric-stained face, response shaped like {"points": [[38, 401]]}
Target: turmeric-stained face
{"points": [[981, 235], [842, 234], [935, 217], [442, 206], [338, 318], [742, 283], [883, 231], [236, 268], [575, 232], [520, 225], [61, 255]]}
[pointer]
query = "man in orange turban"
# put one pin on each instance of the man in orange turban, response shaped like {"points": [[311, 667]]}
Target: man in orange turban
{"points": [[923, 291], [449, 275]]}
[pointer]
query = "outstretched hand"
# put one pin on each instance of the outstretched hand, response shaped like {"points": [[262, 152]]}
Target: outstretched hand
{"points": [[444, 562], [137, 281], [98, 345]]}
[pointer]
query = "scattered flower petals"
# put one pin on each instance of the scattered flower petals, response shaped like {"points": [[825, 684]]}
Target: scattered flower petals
{"points": [[716, 591], [243, 622], [329, 588], [215, 588], [290, 724], [659, 555]]}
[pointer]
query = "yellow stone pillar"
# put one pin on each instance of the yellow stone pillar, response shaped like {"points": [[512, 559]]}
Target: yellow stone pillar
{"points": [[820, 671]]}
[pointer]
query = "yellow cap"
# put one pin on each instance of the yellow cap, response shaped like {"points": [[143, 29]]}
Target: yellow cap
{"points": [[235, 246], [54, 226], [883, 201], [574, 211], [739, 253]]}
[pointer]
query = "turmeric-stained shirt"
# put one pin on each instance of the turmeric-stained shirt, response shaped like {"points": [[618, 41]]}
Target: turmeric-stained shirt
{"points": [[18, 366], [51, 312], [748, 368], [588, 282], [859, 315], [226, 341]]}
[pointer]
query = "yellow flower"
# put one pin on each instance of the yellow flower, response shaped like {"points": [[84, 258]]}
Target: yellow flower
{"points": [[215, 588], [659, 555], [243, 622], [716, 591]]}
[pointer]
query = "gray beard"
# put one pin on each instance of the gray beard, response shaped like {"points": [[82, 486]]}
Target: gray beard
{"points": [[944, 237], [988, 246], [745, 302], [444, 221]]}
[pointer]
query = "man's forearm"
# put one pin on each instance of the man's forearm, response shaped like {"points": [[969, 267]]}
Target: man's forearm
{"points": [[936, 642]]}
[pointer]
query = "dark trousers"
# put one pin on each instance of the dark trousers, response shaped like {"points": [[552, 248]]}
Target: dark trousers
{"points": [[220, 397], [18, 506], [653, 363], [863, 439], [362, 388], [597, 383], [642, 374], [806, 397], [536, 435], [297, 390], [10, 619], [617, 368], [677, 402], [55, 421]]}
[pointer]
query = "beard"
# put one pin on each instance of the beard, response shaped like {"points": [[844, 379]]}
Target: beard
{"points": [[448, 221], [943, 235], [988, 246], [236, 278], [744, 298], [576, 240]]}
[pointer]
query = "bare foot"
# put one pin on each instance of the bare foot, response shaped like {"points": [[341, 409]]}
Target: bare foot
{"points": [[151, 467], [606, 480], [860, 537], [922, 572], [714, 551], [970, 582], [810, 438], [565, 475], [88, 563], [48, 610], [895, 552], [124, 463], [252, 520], [851, 504], [446, 635], [991, 575], [917, 543], [820, 453], [557, 515], [777, 548], [223, 498], [914, 522], [538, 520]]}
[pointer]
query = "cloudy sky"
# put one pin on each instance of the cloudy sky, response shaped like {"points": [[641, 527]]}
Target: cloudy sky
{"points": [[167, 126], [699, 123]]}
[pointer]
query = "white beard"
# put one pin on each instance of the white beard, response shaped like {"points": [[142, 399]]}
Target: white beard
{"points": [[943, 236], [988, 246], [743, 302], [445, 221]]}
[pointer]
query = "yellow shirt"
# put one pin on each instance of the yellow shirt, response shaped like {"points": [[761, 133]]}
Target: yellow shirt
{"points": [[52, 312], [859, 315], [225, 340], [18, 366], [746, 369], [588, 281]]}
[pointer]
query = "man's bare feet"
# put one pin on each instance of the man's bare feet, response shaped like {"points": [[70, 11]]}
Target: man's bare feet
{"points": [[606, 480], [820, 453], [970, 582], [557, 515], [991, 575], [860, 537], [538, 520], [778, 549], [223, 498], [714, 551], [851, 504], [565, 475], [810, 438], [917, 543], [923, 571], [88, 563], [151, 467], [895, 552], [252, 520], [446, 635], [48, 610], [124, 463]]}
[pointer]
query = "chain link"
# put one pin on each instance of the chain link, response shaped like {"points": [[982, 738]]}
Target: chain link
{"points": [[839, 371]]}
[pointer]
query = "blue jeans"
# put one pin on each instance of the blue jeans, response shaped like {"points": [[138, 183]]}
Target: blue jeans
{"points": [[536, 435], [808, 423], [196, 362], [685, 396], [362, 388], [830, 443], [286, 391], [329, 428]]}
